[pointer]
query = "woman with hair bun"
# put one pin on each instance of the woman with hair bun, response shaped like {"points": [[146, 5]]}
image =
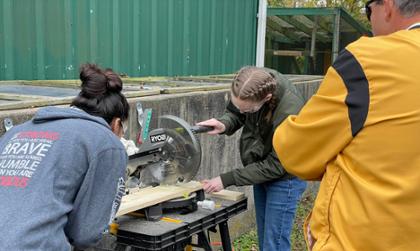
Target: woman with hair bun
{"points": [[261, 99], [61, 173]]}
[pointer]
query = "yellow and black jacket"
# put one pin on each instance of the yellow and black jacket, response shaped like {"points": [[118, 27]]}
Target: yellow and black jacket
{"points": [[360, 134]]}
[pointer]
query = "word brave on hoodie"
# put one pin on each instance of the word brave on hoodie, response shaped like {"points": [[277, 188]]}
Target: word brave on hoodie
{"points": [[22, 155]]}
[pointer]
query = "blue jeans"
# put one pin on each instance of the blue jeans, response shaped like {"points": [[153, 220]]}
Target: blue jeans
{"points": [[275, 206]]}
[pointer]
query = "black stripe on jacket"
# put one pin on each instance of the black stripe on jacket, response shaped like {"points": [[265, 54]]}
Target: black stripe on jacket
{"points": [[354, 78]]}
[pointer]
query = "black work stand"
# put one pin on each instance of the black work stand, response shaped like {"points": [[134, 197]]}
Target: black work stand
{"points": [[142, 235]]}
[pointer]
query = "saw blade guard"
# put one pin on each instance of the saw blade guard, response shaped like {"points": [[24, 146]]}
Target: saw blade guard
{"points": [[182, 151]]}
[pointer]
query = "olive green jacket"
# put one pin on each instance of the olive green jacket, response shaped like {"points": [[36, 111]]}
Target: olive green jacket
{"points": [[257, 154]]}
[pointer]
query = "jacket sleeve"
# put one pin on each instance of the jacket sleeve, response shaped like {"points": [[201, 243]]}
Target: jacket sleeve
{"points": [[270, 167], [98, 198], [327, 123], [255, 173], [232, 119]]}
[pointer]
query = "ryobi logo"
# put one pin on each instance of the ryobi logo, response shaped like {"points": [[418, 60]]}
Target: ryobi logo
{"points": [[158, 138]]}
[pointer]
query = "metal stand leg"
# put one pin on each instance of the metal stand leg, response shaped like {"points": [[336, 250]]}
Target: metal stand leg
{"points": [[224, 235], [203, 241]]}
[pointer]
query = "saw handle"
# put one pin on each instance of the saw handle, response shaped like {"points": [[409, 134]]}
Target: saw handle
{"points": [[201, 129]]}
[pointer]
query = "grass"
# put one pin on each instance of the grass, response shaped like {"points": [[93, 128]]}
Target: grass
{"points": [[304, 207], [249, 241]]}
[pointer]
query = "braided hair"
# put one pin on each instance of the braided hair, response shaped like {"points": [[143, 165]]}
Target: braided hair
{"points": [[254, 84]]}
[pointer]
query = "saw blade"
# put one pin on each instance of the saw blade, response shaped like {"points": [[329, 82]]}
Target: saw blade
{"points": [[181, 153]]}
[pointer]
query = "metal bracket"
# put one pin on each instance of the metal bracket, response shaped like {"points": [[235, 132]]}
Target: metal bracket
{"points": [[8, 124]]}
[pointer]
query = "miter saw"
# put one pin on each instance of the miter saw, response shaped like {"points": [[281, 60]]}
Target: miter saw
{"points": [[167, 155]]}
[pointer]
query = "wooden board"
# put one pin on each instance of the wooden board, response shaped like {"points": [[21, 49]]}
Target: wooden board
{"points": [[228, 195], [150, 196]]}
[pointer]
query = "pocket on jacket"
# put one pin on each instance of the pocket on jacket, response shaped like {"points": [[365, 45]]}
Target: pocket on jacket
{"points": [[320, 217]]}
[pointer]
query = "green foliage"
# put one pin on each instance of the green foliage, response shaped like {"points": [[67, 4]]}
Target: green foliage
{"points": [[249, 241], [281, 3], [354, 7], [303, 210]]}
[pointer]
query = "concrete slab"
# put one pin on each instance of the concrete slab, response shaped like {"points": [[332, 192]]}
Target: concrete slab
{"points": [[38, 90]]}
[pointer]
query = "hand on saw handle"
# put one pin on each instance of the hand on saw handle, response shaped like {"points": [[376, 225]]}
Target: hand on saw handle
{"points": [[213, 185], [218, 127]]}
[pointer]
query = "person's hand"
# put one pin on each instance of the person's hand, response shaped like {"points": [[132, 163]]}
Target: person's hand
{"points": [[213, 185], [218, 126]]}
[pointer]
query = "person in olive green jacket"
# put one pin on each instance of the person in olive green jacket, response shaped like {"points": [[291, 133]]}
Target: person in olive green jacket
{"points": [[261, 99]]}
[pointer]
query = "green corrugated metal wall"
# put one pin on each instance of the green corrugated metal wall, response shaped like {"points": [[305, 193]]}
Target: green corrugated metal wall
{"points": [[49, 39]]}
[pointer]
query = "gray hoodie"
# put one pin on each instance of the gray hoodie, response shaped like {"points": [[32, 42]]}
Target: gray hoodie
{"points": [[61, 181]]}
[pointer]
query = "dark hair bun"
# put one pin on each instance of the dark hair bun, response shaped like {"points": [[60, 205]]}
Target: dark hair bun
{"points": [[96, 82], [114, 83], [101, 94]]}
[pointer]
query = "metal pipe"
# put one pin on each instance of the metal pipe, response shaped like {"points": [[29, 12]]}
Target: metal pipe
{"points": [[336, 36], [262, 23]]}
